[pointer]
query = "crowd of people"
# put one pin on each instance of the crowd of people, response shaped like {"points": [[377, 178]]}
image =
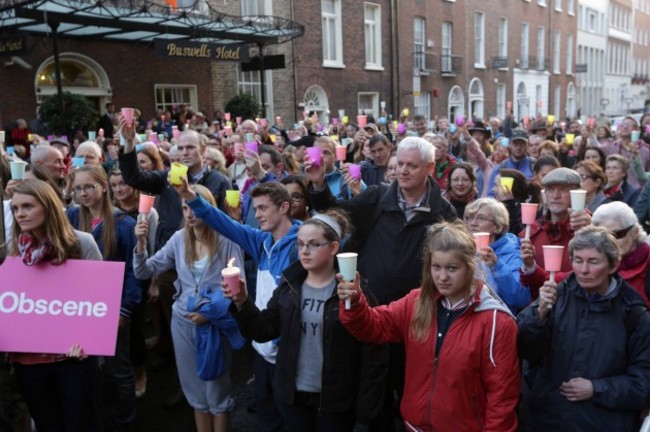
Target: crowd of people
{"points": [[438, 331]]}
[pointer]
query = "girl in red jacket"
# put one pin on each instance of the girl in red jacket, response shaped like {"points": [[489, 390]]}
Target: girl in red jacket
{"points": [[462, 369]]}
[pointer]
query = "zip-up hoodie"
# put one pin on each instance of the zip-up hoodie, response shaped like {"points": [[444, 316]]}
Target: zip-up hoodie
{"points": [[472, 385], [271, 258]]}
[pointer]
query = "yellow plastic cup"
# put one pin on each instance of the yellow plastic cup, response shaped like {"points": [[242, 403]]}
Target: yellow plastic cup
{"points": [[177, 170], [233, 197], [346, 119], [550, 119], [569, 138], [507, 182], [406, 112]]}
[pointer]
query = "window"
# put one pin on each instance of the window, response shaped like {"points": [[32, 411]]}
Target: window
{"points": [[556, 102], [372, 14], [422, 105], [557, 5], [569, 53], [502, 43], [538, 99], [332, 33], [540, 48], [250, 83], [419, 27], [479, 39], [501, 101], [447, 29], [570, 7], [541, 2], [168, 95], [523, 61], [557, 46], [369, 103], [253, 7]]}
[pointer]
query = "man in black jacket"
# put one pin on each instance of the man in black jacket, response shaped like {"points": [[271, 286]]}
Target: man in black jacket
{"points": [[391, 224]]}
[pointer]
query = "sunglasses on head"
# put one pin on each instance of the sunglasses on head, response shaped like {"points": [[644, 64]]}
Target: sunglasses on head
{"points": [[621, 233]]}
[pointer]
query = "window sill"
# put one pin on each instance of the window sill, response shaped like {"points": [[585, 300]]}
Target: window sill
{"points": [[374, 68], [479, 66], [334, 65]]}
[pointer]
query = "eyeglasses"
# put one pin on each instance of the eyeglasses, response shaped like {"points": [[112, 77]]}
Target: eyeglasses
{"points": [[297, 197], [311, 247], [584, 177], [477, 217], [85, 188], [621, 233]]}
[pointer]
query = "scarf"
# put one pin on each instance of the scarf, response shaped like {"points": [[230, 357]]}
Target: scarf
{"points": [[612, 190], [636, 258], [31, 251], [469, 197]]}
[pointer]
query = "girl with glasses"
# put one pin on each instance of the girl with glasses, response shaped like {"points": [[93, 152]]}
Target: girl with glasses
{"points": [[299, 198], [113, 232], [324, 379]]}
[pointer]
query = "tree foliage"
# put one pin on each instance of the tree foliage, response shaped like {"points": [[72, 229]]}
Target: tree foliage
{"points": [[79, 113], [243, 105]]}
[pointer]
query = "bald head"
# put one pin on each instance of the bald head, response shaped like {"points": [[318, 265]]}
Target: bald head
{"points": [[50, 158]]}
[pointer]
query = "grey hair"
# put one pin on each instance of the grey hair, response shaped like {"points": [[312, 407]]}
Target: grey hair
{"points": [[426, 149], [625, 163], [598, 238], [93, 145], [433, 137], [621, 212], [499, 212]]}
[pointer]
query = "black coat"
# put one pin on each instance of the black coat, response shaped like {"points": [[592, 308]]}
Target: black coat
{"points": [[598, 340], [389, 246], [168, 205], [354, 374]]}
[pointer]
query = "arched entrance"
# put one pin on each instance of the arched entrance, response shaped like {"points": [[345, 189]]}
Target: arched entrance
{"points": [[476, 99], [455, 103], [522, 101], [315, 99], [79, 75]]}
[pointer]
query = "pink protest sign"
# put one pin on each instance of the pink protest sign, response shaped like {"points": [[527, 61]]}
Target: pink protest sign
{"points": [[50, 308]]}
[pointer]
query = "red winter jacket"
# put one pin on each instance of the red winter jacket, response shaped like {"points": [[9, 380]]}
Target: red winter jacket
{"points": [[473, 385]]}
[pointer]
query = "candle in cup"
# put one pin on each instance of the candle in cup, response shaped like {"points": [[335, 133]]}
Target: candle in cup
{"points": [[348, 269], [230, 276]]}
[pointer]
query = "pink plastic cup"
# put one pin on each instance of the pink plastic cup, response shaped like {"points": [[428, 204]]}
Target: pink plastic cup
{"points": [[127, 113], [252, 146], [146, 203], [315, 154], [553, 257], [153, 137], [341, 153], [355, 171], [176, 133], [362, 121], [231, 278], [460, 120], [482, 240], [528, 213]]}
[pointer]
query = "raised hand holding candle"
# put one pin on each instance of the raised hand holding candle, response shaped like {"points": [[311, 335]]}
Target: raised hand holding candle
{"points": [[145, 203], [348, 269], [528, 214]]}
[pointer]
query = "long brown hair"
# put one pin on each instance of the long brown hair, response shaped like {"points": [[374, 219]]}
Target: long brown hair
{"points": [[442, 237], [107, 210], [58, 229], [210, 237]]}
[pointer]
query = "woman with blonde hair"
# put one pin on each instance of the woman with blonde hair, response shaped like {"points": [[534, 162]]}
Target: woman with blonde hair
{"points": [[113, 232], [216, 161], [59, 389], [199, 312], [462, 369]]}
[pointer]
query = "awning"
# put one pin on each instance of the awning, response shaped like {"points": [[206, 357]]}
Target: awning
{"points": [[143, 21]]}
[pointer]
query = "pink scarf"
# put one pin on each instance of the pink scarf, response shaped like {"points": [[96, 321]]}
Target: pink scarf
{"points": [[31, 250]]}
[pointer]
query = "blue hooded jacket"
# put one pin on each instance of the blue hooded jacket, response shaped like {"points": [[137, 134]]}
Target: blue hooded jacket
{"points": [[271, 257], [504, 277]]}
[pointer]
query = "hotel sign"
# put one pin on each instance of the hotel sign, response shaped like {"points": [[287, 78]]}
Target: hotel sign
{"points": [[201, 51], [13, 45]]}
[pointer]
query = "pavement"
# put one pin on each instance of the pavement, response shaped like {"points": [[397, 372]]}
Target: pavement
{"points": [[153, 416]]}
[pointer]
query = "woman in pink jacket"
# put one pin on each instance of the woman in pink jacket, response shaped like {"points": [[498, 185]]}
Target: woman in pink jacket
{"points": [[462, 369]]}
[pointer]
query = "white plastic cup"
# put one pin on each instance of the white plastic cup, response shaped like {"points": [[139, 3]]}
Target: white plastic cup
{"points": [[636, 135], [17, 170], [348, 269], [578, 198]]}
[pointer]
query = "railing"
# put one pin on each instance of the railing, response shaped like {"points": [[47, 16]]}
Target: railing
{"points": [[423, 62], [451, 64]]}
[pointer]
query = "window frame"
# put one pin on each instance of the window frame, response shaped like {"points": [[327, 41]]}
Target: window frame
{"points": [[337, 24]]}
